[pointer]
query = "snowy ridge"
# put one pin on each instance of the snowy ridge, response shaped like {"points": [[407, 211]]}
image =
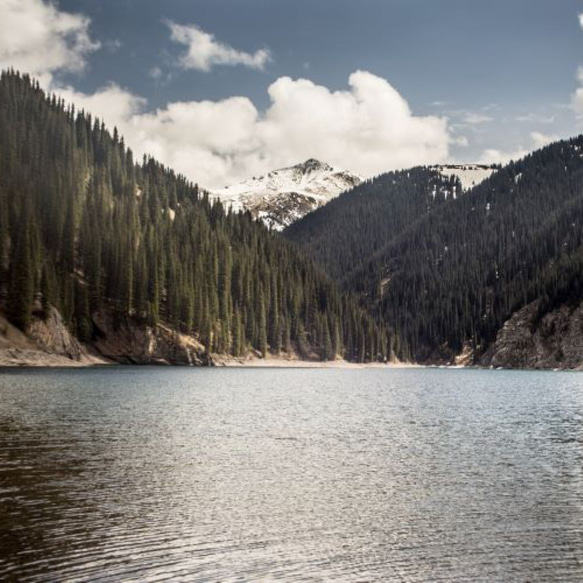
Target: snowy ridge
{"points": [[283, 196], [469, 175]]}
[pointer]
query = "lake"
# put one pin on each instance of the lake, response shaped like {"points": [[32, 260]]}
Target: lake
{"points": [[153, 474]]}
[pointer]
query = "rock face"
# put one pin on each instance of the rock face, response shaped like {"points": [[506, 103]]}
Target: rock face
{"points": [[48, 342], [529, 341], [131, 344], [53, 336], [283, 196]]}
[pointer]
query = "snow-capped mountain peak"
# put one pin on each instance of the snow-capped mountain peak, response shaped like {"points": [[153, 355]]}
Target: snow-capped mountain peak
{"points": [[283, 196]]}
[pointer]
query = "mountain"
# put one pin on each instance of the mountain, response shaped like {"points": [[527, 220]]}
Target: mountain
{"points": [[285, 195], [493, 276], [105, 258]]}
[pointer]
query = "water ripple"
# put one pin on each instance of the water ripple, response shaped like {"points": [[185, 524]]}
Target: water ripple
{"points": [[141, 474]]}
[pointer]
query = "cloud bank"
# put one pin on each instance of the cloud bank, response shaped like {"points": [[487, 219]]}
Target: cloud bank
{"points": [[369, 128], [204, 51], [37, 38], [538, 140]]}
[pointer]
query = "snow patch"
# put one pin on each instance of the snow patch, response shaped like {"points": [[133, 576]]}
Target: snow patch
{"points": [[469, 175], [283, 196]]}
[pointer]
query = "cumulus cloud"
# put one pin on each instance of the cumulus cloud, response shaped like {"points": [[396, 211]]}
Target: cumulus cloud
{"points": [[495, 156], [368, 128], [38, 38], [204, 51], [581, 20], [472, 118], [115, 105], [536, 118], [537, 140], [540, 140]]}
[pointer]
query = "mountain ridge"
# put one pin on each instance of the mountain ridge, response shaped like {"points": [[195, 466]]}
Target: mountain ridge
{"points": [[284, 195]]}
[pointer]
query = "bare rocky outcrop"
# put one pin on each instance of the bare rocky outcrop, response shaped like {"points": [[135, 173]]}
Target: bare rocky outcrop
{"points": [[131, 343], [553, 341], [48, 342], [52, 335]]}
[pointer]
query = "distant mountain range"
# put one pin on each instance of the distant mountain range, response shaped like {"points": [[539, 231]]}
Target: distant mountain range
{"points": [[285, 195]]}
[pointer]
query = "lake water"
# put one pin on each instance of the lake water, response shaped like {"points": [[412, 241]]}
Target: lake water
{"points": [[155, 474]]}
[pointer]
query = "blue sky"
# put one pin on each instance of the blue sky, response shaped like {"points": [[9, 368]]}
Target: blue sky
{"points": [[501, 76], [520, 53]]}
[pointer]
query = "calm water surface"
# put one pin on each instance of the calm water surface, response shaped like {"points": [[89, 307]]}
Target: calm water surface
{"points": [[152, 474]]}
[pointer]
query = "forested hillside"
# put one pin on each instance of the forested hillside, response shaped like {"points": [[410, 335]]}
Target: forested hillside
{"points": [[451, 274], [87, 230], [343, 235]]}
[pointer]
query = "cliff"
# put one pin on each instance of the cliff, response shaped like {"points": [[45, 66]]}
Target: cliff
{"points": [[527, 340], [48, 342]]}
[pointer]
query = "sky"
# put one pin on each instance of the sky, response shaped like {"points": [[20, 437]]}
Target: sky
{"points": [[222, 90]]}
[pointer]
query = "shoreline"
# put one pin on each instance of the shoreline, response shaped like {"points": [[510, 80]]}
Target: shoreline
{"points": [[11, 358], [279, 362], [18, 358]]}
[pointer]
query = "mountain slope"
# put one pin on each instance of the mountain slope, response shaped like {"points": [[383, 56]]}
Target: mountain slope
{"points": [[139, 264], [343, 235], [285, 195], [482, 274], [454, 278]]}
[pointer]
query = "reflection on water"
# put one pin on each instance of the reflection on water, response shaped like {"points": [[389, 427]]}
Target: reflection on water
{"points": [[193, 474]]}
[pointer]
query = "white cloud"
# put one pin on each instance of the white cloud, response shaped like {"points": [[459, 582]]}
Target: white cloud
{"points": [[205, 51], [536, 118], [581, 20], [113, 104], [369, 129], [494, 156], [472, 118], [538, 140], [461, 141], [155, 73], [37, 38]]}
